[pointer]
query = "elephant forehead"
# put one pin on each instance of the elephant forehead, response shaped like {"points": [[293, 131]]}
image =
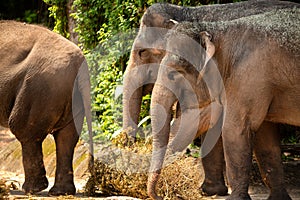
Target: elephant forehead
{"points": [[185, 47], [180, 40], [151, 37]]}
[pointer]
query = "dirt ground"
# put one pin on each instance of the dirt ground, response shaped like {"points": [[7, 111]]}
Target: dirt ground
{"points": [[12, 172]]}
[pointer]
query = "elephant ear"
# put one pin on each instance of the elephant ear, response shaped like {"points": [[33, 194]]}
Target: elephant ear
{"points": [[209, 50]]}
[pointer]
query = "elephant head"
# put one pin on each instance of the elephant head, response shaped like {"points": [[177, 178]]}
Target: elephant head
{"points": [[186, 73], [141, 73]]}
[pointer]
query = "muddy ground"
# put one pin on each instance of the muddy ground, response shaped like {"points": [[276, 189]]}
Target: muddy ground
{"points": [[12, 172]]}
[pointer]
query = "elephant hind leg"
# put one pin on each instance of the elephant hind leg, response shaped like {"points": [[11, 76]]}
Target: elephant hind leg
{"points": [[31, 134], [268, 154], [65, 140], [35, 174]]}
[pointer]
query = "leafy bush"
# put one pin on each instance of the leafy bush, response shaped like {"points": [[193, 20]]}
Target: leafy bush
{"points": [[59, 13], [106, 36]]}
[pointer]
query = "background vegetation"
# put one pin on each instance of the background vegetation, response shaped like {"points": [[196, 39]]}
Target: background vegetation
{"points": [[31, 11]]}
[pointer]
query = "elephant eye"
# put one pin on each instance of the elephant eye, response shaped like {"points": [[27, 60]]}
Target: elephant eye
{"points": [[171, 75], [143, 53]]}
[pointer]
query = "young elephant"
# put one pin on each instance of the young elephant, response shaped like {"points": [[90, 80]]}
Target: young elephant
{"points": [[256, 79], [148, 50], [44, 89]]}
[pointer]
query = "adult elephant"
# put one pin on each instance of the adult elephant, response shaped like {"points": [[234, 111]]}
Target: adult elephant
{"points": [[147, 52], [256, 79], [44, 89]]}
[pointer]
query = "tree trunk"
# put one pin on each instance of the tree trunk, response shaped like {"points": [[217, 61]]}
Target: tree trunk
{"points": [[71, 22]]}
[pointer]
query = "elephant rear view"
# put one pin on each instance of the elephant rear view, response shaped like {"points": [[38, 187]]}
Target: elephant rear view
{"points": [[44, 89]]}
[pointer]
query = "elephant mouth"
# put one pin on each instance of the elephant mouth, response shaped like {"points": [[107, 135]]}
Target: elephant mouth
{"points": [[208, 114], [192, 123], [147, 88], [199, 106]]}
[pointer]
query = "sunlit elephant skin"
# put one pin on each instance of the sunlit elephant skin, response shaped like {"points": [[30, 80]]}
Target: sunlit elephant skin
{"points": [[258, 68], [44, 89]]}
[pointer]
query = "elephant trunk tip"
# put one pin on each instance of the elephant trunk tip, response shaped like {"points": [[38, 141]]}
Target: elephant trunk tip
{"points": [[151, 185]]}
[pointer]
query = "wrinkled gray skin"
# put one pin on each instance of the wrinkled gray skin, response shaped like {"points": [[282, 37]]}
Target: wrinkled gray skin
{"points": [[147, 52], [44, 88], [258, 58]]}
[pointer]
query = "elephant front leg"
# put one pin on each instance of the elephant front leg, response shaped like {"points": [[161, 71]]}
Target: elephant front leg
{"points": [[268, 154], [65, 140], [238, 157], [35, 174], [213, 165]]}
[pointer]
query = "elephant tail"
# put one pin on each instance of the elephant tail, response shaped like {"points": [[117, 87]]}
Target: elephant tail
{"points": [[84, 87]]}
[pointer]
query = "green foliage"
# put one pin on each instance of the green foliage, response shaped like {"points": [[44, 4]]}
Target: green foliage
{"points": [[59, 12], [145, 120], [30, 16], [28, 11], [106, 31], [89, 16], [145, 107], [107, 107], [291, 133]]}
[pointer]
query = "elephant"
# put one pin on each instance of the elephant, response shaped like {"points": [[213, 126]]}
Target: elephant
{"points": [[247, 68], [147, 52], [44, 89]]}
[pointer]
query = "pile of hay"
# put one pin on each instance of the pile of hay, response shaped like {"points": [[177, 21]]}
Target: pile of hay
{"points": [[107, 181], [181, 179], [4, 190], [122, 170]]}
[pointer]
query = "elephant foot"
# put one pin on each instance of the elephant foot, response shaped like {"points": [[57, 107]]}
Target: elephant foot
{"points": [[239, 197], [34, 185], [62, 189], [210, 189], [279, 195]]}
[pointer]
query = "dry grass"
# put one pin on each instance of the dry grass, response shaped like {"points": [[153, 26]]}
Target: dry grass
{"points": [[107, 181], [179, 180], [4, 190]]}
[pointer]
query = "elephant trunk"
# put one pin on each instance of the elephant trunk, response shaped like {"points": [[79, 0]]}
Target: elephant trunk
{"points": [[186, 130], [161, 105], [152, 181], [210, 121], [132, 99]]}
